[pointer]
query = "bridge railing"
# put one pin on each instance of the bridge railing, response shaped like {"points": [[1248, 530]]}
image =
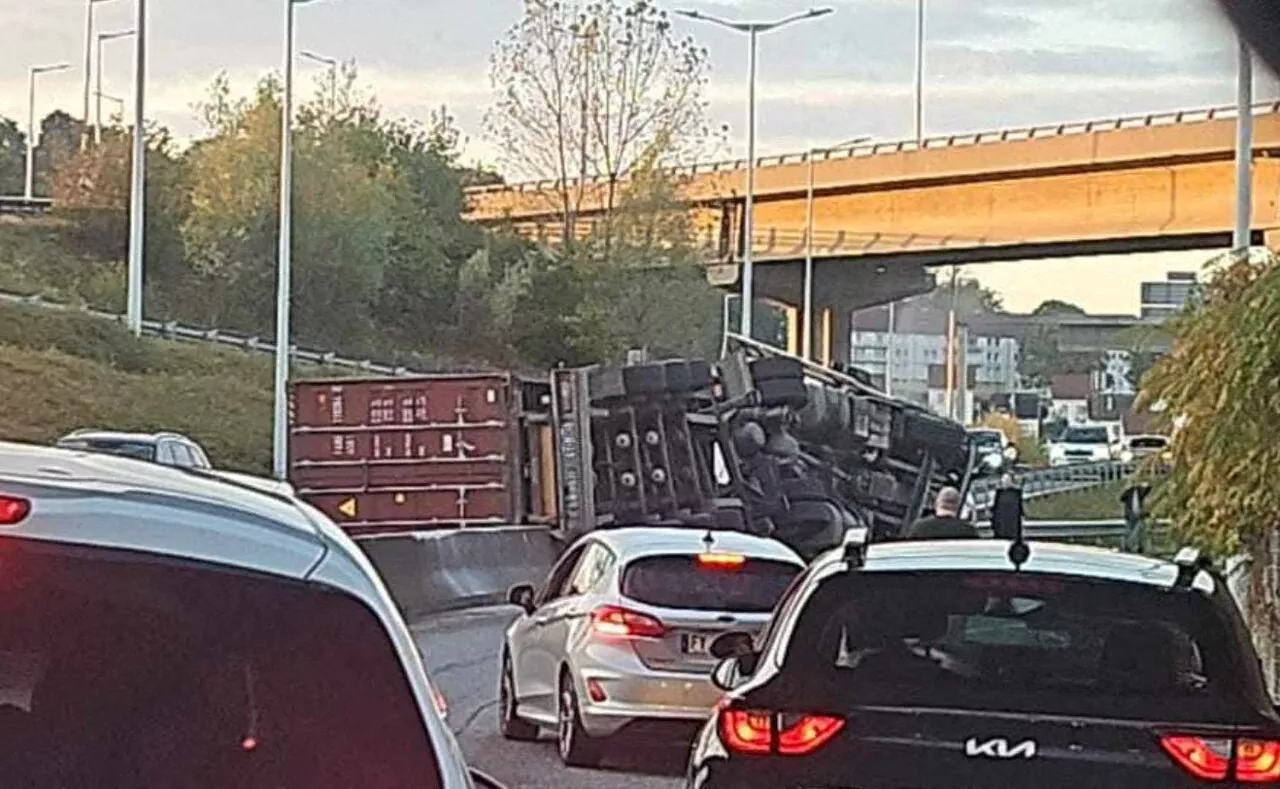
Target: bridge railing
{"points": [[1011, 134]]}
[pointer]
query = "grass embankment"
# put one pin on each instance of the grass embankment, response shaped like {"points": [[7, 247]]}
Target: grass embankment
{"points": [[61, 371], [1093, 504]]}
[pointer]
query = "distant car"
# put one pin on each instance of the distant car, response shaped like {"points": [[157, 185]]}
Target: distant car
{"points": [[616, 643], [1087, 443], [944, 665], [160, 627], [1140, 448], [167, 449], [994, 451]]}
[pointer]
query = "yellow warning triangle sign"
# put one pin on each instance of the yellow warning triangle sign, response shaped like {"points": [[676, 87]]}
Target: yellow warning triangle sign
{"points": [[348, 507]]}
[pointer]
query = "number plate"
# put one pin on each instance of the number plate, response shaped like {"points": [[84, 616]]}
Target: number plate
{"points": [[695, 643]]}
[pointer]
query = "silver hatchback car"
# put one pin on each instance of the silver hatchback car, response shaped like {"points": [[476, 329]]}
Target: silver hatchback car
{"points": [[618, 638]]}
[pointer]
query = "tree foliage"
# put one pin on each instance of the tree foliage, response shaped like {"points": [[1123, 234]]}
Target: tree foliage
{"points": [[1057, 308], [595, 90], [970, 298], [1223, 376]]}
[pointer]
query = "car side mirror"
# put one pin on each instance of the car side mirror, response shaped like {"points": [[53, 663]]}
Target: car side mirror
{"points": [[732, 645], [521, 595], [484, 781], [1010, 453], [726, 675]]}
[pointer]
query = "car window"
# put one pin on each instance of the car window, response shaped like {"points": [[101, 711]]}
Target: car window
{"points": [[594, 564], [181, 455], [1086, 435], [986, 438], [561, 575], [1148, 442], [116, 671], [1047, 645], [198, 457], [139, 450], [680, 581]]}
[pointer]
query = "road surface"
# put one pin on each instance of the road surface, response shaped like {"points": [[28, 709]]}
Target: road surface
{"points": [[462, 652]]}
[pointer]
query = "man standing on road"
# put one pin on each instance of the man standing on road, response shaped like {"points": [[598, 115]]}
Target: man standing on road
{"points": [[945, 523]]}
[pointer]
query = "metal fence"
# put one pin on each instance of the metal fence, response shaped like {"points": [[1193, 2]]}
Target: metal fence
{"points": [[175, 331], [23, 206], [1038, 483]]}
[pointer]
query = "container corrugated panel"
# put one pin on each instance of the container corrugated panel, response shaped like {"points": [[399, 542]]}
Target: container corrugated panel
{"points": [[402, 454]]}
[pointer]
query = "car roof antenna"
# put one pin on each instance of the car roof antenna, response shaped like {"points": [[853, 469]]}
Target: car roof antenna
{"points": [[708, 541], [1006, 524]]}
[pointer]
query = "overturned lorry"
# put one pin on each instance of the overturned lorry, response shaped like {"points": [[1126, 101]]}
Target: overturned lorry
{"points": [[758, 441]]}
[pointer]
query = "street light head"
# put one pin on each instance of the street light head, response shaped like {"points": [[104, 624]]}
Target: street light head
{"points": [[816, 12], [689, 14]]}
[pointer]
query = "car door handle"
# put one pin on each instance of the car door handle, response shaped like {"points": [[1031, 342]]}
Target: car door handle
{"points": [[541, 620]]}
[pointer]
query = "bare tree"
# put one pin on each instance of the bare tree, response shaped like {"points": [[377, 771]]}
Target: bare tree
{"points": [[589, 92]]}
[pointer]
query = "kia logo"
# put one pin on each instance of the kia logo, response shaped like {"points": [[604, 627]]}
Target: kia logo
{"points": [[999, 748]]}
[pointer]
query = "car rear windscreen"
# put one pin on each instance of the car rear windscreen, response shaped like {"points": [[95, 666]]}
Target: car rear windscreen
{"points": [[1085, 435], [680, 581], [1148, 442], [138, 450], [123, 670], [1019, 642]]}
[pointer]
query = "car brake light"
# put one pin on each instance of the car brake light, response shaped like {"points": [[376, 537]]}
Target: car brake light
{"points": [[1258, 761], [788, 734], [721, 561], [1207, 759], [13, 510], [618, 622]]}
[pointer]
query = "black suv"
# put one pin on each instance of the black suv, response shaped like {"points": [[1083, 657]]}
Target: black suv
{"points": [[941, 664]]}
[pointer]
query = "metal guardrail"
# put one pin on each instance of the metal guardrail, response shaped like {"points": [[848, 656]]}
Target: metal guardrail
{"points": [[178, 332], [22, 206], [1038, 483], [1015, 134]]}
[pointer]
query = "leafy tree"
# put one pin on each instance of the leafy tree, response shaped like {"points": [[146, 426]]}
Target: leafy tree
{"points": [[13, 152], [970, 298], [1221, 383], [59, 140], [591, 91], [1057, 308]]}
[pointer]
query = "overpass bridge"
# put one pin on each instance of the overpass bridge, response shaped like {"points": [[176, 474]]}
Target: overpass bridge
{"points": [[884, 213]]}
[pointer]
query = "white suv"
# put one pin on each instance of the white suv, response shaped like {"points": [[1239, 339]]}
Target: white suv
{"points": [[162, 628]]}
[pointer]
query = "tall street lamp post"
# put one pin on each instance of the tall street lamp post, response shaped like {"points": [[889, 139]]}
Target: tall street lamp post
{"points": [[97, 114], [806, 331], [332, 63], [753, 31], [88, 65], [138, 175], [29, 189], [280, 431]]}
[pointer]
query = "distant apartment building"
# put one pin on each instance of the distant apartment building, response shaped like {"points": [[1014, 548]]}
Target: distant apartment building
{"points": [[915, 367], [1161, 300]]}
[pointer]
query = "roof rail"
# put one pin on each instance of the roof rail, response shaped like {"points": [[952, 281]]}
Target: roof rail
{"points": [[855, 547], [1190, 562]]}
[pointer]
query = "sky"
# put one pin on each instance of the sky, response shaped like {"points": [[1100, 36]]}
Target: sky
{"points": [[990, 64]]}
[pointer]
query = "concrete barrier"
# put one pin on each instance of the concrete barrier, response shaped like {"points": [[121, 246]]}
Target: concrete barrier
{"points": [[431, 572]]}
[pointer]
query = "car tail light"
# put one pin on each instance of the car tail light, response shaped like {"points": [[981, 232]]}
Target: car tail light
{"points": [[13, 510], [721, 561], [619, 622], [1213, 758], [785, 733], [1258, 761]]}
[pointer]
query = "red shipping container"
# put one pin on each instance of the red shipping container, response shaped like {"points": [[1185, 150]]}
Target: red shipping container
{"points": [[401, 454]]}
